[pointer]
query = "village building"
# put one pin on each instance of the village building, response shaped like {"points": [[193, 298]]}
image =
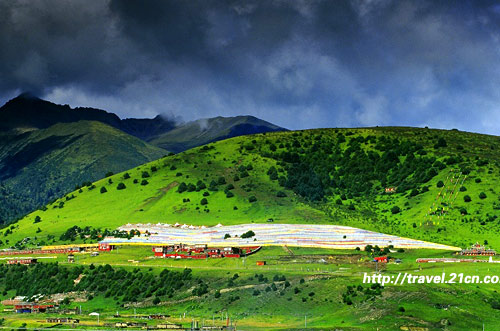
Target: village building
{"points": [[22, 261], [478, 250]]}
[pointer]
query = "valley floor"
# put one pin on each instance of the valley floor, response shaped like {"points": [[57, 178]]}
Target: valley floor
{"points": [[323, 286]]}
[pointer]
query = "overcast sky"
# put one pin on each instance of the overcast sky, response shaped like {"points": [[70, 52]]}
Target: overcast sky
{"points": [[298, 64]]}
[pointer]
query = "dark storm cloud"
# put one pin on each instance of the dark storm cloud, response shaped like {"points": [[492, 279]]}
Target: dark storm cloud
{"points": [[299, 64]]}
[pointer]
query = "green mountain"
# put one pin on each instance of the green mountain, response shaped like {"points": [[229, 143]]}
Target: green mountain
{"points": [[204, 131], [44, 151], [42, 164], [441, 187], [27, 112], [444, 183]]}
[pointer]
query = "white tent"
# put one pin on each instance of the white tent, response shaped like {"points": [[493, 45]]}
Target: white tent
{"points": [[95, 314]]}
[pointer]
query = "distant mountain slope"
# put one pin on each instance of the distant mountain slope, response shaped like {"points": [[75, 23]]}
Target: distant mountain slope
{"points": [[444, 184], [40, 165], [32, 129], [27, 112], [204, 131]]}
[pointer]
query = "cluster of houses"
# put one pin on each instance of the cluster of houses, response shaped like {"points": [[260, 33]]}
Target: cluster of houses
{"points": [[20, 306], [478, 250], [182, 251]]}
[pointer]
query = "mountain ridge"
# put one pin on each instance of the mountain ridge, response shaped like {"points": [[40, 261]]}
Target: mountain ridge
{"points": [[26, 118], [207, 130], [40, 165], [27, 112]]}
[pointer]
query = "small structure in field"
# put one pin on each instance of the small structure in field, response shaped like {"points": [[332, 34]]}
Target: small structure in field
{"points": [[27, 260], [62, 320], [169, 326], [261, 262], [391, 189], [478, 250], [382, 259], [32, 307], [71, 258], [202, 251], [105, 247]]}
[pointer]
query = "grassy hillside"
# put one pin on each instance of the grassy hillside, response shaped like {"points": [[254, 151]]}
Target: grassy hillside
{"points": [[207, 130], [321, 176], [41, 165]]}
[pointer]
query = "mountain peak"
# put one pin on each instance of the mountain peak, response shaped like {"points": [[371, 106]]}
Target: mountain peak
{"points": [[27, 95]]}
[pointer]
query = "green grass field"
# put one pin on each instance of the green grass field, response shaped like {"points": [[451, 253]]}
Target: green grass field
{"points": [[330, 278], [319, 295], [159, 201]]}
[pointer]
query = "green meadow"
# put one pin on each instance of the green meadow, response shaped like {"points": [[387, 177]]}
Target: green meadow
{"points": [[318, 282], [242, 166], [446, 191]]}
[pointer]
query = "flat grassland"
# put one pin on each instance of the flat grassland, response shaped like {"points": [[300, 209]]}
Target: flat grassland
{"points": [[324, 286]]}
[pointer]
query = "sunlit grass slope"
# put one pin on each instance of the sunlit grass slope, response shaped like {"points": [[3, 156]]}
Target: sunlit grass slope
{"points": [[335, 160], [41, 165]]}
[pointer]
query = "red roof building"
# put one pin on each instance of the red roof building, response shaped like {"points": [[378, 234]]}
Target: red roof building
{"points": [[382, 259], [22, 261]]}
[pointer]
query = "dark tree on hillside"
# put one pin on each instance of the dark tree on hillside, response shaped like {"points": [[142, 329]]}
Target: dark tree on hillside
{"points": [[103, 190], [182, 187], [395, 210], [441, 143], [213, 186], [273, 173], [121, 186]]}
